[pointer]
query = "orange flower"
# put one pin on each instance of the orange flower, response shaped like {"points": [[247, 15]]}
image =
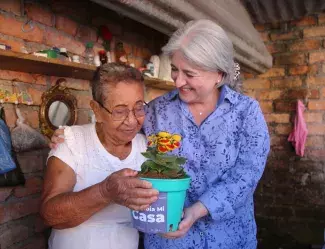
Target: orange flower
{"points": [[163, 141], [177, 144], [170, 146], [152, 140], [162, 149]]}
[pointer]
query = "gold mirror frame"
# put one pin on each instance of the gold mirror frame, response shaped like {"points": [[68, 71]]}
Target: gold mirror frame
{"points": [[57, 93]]}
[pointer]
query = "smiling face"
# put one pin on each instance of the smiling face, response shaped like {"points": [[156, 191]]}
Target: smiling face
{"points": [[194, 85], [120, 97]]}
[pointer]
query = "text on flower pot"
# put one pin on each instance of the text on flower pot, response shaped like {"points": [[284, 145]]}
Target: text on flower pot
{"points": [[151, 218], [152, 209]]}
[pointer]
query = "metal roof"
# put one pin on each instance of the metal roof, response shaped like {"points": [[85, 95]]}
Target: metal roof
{"points": [[271, 11], [168, 15]]}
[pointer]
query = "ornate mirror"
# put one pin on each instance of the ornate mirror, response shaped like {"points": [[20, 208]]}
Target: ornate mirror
{"points": [[59, 107]]}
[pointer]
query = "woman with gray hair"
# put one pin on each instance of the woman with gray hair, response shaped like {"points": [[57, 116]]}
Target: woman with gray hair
{"points": [[225, 139]]}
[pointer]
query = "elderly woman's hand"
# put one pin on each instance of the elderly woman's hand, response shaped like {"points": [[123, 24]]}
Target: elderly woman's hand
{"points": [[56, 138], [122, 187]]}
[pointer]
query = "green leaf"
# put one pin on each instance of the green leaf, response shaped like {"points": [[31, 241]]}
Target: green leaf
{"points": [[149, 163], [181, 160], [166, 158], [160, 163], [148, 154], [151, 149], [174, 173], [173, 165], [181, 172], [144, 168]]}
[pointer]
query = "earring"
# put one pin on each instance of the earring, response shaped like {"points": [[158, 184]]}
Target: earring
{"points": [[236, 71]]}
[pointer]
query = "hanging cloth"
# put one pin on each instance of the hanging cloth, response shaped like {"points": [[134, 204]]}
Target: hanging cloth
{"points": [[299, 134]]}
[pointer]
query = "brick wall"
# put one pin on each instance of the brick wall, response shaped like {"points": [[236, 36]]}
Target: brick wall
{"points": [[290, 201], [58, 23]]}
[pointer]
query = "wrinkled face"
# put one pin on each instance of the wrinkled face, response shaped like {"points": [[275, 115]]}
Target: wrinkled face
{"points": [[194, 84], [122, 113]]}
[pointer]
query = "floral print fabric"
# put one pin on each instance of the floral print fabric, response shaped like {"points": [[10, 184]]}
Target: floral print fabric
{"points": [[226, 158]]}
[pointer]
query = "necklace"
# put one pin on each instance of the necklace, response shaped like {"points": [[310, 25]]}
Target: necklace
{"points": [[200, 113]]}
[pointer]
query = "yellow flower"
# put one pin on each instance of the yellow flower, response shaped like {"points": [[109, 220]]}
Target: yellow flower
{"points": [[164, 134], [152, 138], [176, 137], [164, 141]]}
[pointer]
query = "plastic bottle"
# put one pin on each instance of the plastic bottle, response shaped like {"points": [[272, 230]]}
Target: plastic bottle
{"points": [[64, 54], [89, 53], [76, 59]]}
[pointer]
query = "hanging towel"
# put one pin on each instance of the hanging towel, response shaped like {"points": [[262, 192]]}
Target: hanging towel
{"points": [[299, 134]]}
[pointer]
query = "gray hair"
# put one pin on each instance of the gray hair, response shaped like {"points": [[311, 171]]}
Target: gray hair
{"points": [[109, 75], [206, 45]]}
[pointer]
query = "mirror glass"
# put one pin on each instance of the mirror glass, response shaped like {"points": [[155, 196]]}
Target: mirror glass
{"points": [[59, 113]]}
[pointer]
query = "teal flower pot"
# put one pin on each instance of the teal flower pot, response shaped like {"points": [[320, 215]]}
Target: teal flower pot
{"points": [[165, 214]]}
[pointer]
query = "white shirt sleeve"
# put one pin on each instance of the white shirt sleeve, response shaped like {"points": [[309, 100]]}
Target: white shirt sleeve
{"points": [[64, 154]]}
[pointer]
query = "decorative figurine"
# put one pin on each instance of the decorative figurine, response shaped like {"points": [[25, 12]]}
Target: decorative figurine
{"points": [[150, 70], [155, 61], [102, 57], [12, 98], [120, 54], [165, 68], [25, 98], [2, 96], [106, 36]]}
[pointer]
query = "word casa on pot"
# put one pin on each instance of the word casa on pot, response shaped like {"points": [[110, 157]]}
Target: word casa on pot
{"points": [[151, 218]]}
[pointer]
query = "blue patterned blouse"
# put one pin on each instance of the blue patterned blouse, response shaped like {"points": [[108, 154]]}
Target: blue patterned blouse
{"points": [[226, 158]]}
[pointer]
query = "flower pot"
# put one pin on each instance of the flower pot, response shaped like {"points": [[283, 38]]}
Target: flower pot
{"points": [[165, 214]]}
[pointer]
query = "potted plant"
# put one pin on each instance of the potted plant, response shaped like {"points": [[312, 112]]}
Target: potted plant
{"points": [[164, 170]]}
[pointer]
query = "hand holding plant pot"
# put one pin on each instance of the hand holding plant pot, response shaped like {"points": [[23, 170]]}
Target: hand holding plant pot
{"points": [[122, 188], [166, 174]]}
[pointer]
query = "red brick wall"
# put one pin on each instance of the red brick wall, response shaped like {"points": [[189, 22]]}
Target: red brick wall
{"points": [[58, 23], [290, 201]]}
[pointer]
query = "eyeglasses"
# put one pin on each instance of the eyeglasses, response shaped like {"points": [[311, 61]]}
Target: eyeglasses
{"points": [[120, 113]]}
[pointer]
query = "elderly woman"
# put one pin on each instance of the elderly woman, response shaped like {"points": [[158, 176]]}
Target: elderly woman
{"points": [[90, 177], [225, 139]]}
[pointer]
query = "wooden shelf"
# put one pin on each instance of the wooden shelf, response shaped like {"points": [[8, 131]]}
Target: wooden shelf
{"points": [[39, 65], [159, 84]]}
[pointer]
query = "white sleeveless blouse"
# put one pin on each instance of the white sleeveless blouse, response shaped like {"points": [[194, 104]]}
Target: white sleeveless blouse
{"points": [[110, 228]]}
